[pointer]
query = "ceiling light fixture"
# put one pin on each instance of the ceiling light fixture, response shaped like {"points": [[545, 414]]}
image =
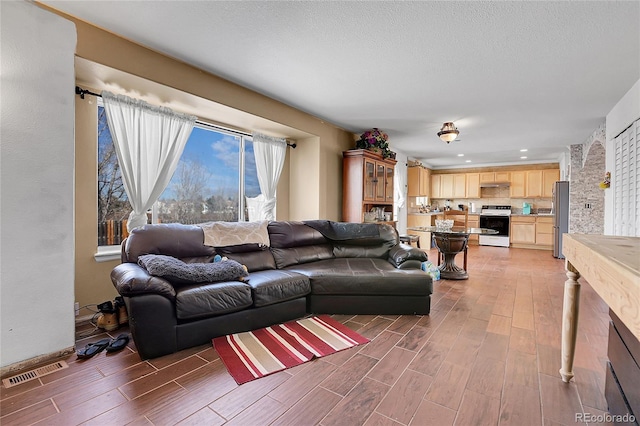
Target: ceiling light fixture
{"points": [[448, 133], [523, 157], [460, 155], [524, 150]]}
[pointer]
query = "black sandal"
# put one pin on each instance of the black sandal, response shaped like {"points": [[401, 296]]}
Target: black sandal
{"points": [[118, 343], [93, 348]]}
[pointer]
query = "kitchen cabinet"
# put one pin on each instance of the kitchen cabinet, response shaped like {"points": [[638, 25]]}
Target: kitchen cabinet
{"points": [[517, 188], [473, 222], [534, 184], [549, 177], [532, 232], [435, 186], [473, 185], [367, 182], [446, 186], [415, 220], [544, 231], [523, 230], [493, 177], [418, 182], [459, 185], [451, 185]]}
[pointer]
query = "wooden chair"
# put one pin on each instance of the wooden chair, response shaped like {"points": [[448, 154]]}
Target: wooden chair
{"points": [[460, 219]]}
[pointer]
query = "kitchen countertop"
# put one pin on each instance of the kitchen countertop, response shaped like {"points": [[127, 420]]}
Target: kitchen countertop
{"points": [[533, 214], [437, 213]]}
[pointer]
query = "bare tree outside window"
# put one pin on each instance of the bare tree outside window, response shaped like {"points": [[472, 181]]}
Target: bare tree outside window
{"points": [[113, 204]]}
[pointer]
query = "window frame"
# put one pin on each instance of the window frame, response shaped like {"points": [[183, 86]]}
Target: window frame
{"points": [[107, 253]]}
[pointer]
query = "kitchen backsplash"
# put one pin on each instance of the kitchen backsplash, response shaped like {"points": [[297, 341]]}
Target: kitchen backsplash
{"points": [[543, 204]]}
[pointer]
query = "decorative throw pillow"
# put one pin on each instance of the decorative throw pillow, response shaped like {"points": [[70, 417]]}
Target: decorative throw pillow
{"points": [[178, 272], [222, 234]]}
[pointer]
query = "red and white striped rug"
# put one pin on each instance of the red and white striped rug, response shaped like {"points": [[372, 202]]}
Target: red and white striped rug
{"points": [[257, 353]]}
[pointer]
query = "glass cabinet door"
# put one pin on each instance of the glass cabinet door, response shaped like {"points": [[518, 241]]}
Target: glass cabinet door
{"points": [[369, 180], [388, 184], [380, 182]]}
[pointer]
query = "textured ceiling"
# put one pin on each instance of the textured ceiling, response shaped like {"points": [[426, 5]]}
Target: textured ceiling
{"points": [[511, 75]]}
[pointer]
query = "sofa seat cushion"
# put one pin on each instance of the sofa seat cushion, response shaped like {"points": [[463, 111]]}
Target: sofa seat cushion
{"points": [[361, 276], [206, 300], [273, 286]]}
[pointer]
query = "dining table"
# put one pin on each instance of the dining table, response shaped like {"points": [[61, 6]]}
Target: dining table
{"points": [[450, 242]]}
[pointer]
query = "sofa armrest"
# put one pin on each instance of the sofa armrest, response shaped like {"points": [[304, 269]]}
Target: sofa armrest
{"points": [[401, 253], [131, 280]]}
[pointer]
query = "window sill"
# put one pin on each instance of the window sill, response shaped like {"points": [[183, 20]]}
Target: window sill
{"points": [[107, 254]]}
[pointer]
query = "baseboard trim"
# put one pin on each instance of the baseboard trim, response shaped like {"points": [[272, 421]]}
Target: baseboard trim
{"points": [[35, 361]]}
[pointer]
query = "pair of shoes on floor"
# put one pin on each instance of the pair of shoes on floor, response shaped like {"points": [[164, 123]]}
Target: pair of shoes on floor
{"points": [[112, 314], [111, 345]]}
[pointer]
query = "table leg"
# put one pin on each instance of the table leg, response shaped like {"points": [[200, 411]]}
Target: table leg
{"points": [[570, 309]]}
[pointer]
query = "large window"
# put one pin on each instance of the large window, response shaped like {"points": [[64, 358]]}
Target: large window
{"points": [[216, 171]]}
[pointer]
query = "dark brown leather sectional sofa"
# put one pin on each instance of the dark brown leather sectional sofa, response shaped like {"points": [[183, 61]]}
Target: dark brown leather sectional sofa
{"points": [[310, 267]]}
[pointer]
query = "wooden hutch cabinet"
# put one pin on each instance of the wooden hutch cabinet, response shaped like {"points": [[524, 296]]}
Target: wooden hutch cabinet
{"points": [[367, 182]]}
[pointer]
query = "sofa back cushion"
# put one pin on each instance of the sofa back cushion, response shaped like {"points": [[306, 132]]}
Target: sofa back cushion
{"points": [[186, 242], [171, 239], [368, 247], [295, 243]]}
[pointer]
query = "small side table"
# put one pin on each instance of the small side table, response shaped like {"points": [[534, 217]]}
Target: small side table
{"points": [[410, 238]]}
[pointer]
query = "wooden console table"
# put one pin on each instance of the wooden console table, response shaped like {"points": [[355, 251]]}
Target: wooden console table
{"points": [[611, 265]]}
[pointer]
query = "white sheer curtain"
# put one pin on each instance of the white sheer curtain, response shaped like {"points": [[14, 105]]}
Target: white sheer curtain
{"points": [[269, 153], [400, 189], [149, 141]]}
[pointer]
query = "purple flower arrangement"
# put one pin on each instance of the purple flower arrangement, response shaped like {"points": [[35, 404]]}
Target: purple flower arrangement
{"points": [[375, 138]]}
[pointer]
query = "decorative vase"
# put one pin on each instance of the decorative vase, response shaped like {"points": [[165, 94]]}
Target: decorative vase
{"points": [[375, 149]]}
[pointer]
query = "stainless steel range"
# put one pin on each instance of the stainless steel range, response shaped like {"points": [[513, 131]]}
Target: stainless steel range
{"points": [[496, 218]]}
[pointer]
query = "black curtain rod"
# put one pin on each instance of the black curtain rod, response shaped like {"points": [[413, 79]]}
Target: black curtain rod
{"points": [[82, 92]]}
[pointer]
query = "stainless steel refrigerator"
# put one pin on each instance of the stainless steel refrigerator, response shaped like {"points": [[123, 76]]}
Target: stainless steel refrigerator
{"points": [[560, 210]]}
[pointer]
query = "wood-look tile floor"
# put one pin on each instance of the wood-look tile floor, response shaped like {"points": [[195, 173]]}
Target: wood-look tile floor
{"points": [[488, 354]]}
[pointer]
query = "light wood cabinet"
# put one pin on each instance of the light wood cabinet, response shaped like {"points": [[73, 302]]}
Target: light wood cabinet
{"points": [[517, 188], [532, 232], [523, 183], [549, 178], [414, 220], [534, 184], [503, 177], [446, 186], [473, 185], [460, 185], [449, 185], [367, 181], [473, 222], [523, 230], [544, 231], [487, 177], [493, 177], [418, 182], [435, 186]]}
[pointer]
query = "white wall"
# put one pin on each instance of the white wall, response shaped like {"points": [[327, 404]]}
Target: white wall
{"points": [[626, 111], [400, 214], [36, 178]]}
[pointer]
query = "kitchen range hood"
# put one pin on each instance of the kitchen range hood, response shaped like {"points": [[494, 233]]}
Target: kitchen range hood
{"points": [[495, 185]]}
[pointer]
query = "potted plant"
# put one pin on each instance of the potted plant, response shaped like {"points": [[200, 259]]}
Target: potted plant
{"points": [[375, 140]]}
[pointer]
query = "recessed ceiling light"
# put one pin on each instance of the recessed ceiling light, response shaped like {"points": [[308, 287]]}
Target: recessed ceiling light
{"points": [[460, 155], [523, 157], [524, 150], [468, 161]]}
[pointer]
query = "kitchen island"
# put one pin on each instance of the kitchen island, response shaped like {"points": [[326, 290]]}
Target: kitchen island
{"points": [[611, 265]]}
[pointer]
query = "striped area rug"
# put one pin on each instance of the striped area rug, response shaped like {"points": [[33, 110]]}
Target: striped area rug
{"points": [[257, 353]]}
